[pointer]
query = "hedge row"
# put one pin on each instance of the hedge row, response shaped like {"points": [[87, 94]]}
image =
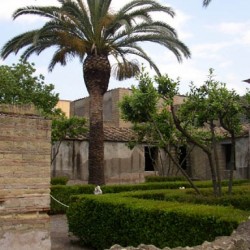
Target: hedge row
{"points": [[60, 180], [63, 193], [240, 198], [104, 220]]}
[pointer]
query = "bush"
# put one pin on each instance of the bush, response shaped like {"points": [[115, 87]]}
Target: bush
{"points": [[105, 220], [154, 178], [240, 198], [61, 180], [63, 194]]}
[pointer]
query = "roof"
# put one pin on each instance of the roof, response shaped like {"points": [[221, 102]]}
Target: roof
{"points": [[113, 134]]}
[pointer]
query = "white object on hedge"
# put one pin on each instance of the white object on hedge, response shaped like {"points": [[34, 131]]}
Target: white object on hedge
{"points": [[98, 190]]}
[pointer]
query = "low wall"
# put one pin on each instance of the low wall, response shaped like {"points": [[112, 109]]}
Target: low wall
{"points": [[24, 179], [122, 165]]}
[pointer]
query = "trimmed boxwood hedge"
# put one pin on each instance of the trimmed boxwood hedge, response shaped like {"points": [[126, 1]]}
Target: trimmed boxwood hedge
{"points": [[104, 220], [240, 198], [63, 193], [60, 180]]}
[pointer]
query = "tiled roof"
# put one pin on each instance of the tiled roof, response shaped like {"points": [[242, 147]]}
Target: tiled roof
{"points": [[113, 134], [118, 134]]}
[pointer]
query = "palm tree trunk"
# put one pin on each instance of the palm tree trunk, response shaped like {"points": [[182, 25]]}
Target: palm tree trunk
{"points": [[96, 71], [96, 140]]}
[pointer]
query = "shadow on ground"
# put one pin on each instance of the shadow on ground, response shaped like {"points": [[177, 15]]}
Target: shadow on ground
{"points": [[60, 238]]}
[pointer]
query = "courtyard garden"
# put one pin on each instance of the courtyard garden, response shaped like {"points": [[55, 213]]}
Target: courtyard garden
{"points": [[162, 213]]}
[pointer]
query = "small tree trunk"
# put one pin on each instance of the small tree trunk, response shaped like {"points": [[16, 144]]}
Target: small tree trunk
{"points": [[216, 161], [231, 173], [195, 142], [213, 173], [183, 172]]}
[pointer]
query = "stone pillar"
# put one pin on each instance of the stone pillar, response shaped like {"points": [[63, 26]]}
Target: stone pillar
{"points": [[24, 179]]}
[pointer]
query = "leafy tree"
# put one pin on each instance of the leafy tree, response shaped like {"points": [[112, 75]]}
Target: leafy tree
{"points": [[149, 112], [18, 85], [92, 31], [205, 108]]}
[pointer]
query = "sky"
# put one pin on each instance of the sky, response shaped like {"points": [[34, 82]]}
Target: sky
{"points": [[218, 37]]}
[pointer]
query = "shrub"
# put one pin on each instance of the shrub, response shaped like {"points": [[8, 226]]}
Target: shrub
{"points": [[61, 180], [240, 198], [154, 178], [105, 220], [63, 193]]}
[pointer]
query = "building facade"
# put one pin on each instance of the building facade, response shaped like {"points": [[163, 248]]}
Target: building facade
{"points": [[123, 165]]}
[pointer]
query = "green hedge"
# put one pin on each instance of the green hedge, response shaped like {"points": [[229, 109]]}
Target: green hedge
{"points": [[154, 178], [240, 198], [63, 193], [104, 220], [60, 180]]}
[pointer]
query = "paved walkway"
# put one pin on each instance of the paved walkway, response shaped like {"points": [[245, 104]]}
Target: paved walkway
{"points": [[60, 239]]}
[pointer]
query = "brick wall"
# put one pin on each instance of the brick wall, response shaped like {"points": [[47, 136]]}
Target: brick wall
{"points": [[24, 178]]}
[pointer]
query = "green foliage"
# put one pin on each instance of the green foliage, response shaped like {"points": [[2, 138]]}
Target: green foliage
{"points": [[63, 194], [63, 127], [18, 85], [211, 102], [152, 178], [239, 200], [139, 107], [82, 28], [105, 220], [60, 180]]}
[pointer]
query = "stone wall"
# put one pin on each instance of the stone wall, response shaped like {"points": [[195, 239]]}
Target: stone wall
{"points": [[111, 111], [24, 179], [122, 165]]}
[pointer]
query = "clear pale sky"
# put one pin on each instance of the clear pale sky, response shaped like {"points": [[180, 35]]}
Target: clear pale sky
{"points": [[218, 37]]}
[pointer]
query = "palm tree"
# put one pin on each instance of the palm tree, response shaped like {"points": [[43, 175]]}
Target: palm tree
{"points": [[92, 31], [206, 3]]}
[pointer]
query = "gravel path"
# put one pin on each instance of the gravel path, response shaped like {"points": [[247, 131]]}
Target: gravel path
{"points": [[60, 239]]}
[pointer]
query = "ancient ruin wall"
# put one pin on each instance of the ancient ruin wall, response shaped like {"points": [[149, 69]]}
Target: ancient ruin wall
{"points": [[24, 179]]}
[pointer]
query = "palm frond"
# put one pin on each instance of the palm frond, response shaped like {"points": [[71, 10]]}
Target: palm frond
{"points": [[136, 50], [80, 28], [153, 5], [50, 12], [125, 69], [206, 3]]}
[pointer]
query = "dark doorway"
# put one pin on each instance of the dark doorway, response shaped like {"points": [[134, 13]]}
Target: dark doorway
{"points": [[228, 155], [150, 154], [183, 157]]}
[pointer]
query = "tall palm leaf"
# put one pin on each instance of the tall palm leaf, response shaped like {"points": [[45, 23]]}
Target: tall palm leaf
{"points": [[93, 32], [206, 3]]}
